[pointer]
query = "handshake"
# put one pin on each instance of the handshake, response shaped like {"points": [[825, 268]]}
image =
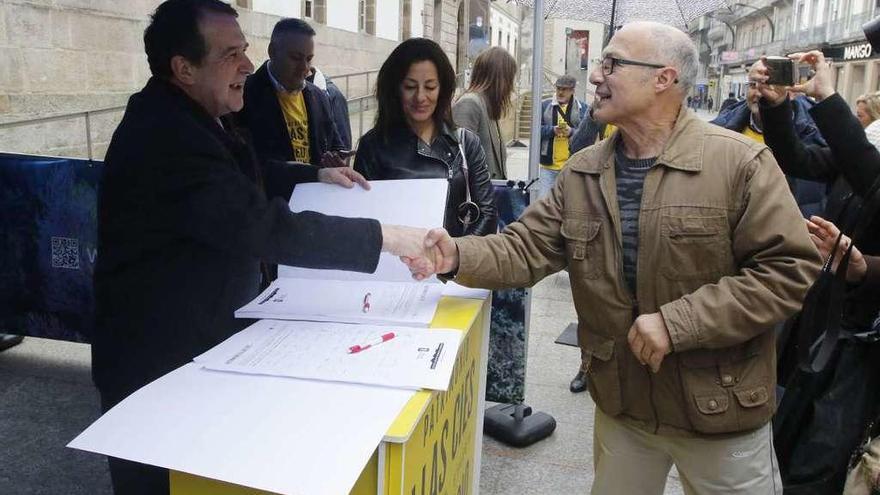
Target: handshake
{"points": [[425, 252]]}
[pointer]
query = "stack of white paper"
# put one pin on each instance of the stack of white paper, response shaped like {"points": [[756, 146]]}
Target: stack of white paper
{"points": [[389, 303], [277, 434], [389, 295]]}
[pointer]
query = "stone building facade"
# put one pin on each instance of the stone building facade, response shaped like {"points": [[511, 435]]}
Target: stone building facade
{"points": [[59, 57]]}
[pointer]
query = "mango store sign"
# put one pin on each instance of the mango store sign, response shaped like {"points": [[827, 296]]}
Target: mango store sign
{"points": [[857, 51]]}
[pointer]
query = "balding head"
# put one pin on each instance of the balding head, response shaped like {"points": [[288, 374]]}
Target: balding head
{"points": [[646, 71], [669, 46]]}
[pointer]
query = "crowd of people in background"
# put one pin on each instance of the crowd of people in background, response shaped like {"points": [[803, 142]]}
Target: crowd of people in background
{"points": [[689, 244]]}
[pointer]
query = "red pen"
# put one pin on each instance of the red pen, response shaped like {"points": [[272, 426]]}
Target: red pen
{"points": [[358, 348]]}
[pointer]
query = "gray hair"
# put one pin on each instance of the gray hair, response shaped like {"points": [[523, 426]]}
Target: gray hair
{"points": [[673, 47], [566, 81]]}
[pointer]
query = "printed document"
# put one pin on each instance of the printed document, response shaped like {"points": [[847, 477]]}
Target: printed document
{"points": [[387, 296], [391, 303], [411, 358]]}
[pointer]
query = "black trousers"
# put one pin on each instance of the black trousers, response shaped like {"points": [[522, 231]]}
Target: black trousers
{"points": [[132, 478]]}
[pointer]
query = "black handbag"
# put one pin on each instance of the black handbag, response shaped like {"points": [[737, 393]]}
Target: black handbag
{"points": [[833, 393]]}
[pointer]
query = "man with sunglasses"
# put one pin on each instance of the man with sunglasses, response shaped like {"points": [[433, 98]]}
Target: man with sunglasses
{"points": [[684, 249]]}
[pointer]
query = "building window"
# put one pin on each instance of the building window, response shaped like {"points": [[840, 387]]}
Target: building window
{"points": [[315, 10], [438, 20], [499, 38], [244, 4], [367, 16], [405, 19]]}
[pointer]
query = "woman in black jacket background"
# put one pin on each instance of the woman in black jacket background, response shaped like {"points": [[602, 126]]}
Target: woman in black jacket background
{"points": [[414, 136]]}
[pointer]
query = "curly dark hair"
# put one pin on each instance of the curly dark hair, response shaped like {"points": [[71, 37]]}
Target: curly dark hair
{"points": [[174, 30], [389, 115]]}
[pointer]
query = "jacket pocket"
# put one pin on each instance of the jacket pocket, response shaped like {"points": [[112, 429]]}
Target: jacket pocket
{"points": [[694, 247], [603, 373], [727, 390], [582, 245]]}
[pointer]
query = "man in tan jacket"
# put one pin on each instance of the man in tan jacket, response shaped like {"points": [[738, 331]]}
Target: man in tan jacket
{"points": [[684, 247]]}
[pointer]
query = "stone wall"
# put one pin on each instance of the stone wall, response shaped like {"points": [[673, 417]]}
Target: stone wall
{"points": [[65, 56], [449, 34]]}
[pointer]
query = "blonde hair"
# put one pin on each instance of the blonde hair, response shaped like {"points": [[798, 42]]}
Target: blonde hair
{"points": [[872, 104]]}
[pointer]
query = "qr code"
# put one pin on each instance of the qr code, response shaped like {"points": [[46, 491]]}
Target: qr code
{"points": [[65, 253]]}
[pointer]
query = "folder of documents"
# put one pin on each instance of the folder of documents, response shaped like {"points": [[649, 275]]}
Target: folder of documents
{"points": [[387, 296]]}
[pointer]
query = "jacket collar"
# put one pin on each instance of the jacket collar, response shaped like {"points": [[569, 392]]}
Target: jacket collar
{"points": [[277, 86], [167, 91], [683, 151]]}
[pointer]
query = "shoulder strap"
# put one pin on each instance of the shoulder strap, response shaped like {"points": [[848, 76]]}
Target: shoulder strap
{"points": [[464, 163], [822, 314]]}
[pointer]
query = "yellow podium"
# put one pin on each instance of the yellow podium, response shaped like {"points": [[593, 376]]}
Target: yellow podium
{"points": [[434, 444]]}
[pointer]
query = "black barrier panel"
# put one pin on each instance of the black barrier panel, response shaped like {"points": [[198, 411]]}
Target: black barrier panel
{"points": [[49, 230], [506, 375]]}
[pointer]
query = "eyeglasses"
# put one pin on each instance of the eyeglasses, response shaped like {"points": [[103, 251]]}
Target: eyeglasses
{"points": [[608, 64]]}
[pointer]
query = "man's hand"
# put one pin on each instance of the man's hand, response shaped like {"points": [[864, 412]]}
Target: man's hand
{"points": [[440, 255], [409, 244], [445, 248], [342, 176], [758, 75], [824, 234], [562, 131], [820, 86], [649, 340]]}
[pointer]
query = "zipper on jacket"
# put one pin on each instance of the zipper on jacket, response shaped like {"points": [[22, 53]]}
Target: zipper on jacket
{"points": [[450, 167], [636, 310]]}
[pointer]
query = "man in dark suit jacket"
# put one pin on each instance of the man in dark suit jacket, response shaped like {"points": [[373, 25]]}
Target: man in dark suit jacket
{"points": [[289, 118], [184, 223]]}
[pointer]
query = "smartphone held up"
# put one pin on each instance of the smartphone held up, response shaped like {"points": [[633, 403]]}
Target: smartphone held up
{"points": [[783, 71]]}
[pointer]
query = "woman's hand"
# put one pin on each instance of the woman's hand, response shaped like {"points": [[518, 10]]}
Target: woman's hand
{"points": [[824, 234], [821, 85], [342, 176], [758, 75]]}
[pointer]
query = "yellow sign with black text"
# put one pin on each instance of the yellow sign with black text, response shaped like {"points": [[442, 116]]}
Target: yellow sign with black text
{"points": [[439, 456]]}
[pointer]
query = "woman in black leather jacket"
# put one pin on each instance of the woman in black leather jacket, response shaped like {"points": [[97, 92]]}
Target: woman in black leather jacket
{"points": [[414, 136]]}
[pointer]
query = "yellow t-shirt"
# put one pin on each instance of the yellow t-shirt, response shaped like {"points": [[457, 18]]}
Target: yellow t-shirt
{"points": [[293, 106], [750, 133], [609, 129], [560, 144]]}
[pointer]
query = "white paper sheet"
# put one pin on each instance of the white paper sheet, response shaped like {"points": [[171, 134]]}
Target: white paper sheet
{"points": [[413, 202], [453, 289], [283, 435], [414, 358], [388, 303]]}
